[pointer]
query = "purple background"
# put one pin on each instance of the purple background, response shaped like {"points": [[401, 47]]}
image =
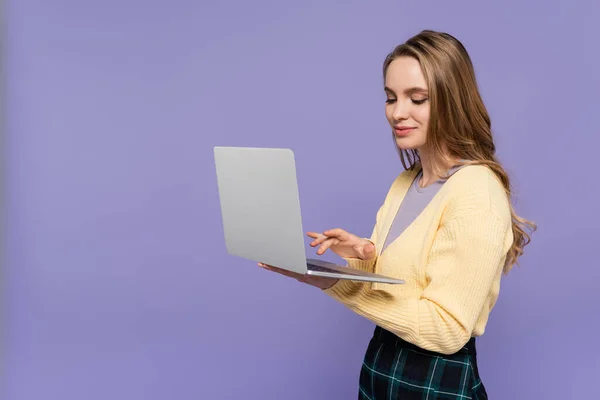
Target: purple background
{"points": [[116, 282]]}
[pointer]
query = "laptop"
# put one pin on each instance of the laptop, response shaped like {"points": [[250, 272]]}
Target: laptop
{"points": [[260, 209]]}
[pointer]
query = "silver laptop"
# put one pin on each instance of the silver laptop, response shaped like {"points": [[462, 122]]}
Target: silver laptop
{"points": [[260, 209]]}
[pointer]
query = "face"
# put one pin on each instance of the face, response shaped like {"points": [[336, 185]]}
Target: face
{"points": [[407, 104]]}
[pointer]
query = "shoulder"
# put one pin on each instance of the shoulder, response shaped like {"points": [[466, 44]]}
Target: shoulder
{"points": [[476, 188], [402, 181], [398, 186], [406, 177]]}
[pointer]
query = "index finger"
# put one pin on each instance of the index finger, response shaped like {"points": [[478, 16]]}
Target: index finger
{"points": [[337, 232], [280, 270]]}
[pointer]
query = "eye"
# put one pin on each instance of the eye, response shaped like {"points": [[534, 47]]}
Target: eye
{"points": [[390, 101], [418, 102]]}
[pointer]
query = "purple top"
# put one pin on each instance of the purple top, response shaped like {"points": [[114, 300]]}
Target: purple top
{"points": [[416, 199]]}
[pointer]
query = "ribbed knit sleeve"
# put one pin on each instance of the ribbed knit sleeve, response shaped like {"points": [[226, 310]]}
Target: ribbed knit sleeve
{"points": [[363, 265], [466, 259]]}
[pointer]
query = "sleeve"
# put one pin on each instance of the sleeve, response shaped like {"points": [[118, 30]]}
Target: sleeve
{"points": [[467, 256]]}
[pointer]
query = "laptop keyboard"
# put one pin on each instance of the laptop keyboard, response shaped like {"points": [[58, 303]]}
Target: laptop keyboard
{"points": [[314, 267], [318, 268]]}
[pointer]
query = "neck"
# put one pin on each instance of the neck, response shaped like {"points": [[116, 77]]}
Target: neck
{"points": [[433, 167]]}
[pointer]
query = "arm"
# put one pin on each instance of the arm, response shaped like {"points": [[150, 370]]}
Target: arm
{"points": [[467, 256]]}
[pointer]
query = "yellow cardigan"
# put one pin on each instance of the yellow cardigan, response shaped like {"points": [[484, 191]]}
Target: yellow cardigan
{"points": [[451, 257]]}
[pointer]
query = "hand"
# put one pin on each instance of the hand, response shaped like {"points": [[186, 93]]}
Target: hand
{"points": [[344, 244], [316, 281]]}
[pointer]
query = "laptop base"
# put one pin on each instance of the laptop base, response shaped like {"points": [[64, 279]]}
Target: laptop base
{"points": [[331, 270]]}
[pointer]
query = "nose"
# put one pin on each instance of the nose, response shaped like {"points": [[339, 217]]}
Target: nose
{"points": [[400, 111]]}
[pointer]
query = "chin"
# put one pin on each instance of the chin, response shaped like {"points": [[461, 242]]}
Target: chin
{"points": [[408, 143]]}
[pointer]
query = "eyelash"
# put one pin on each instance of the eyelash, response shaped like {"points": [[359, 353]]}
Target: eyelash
{"points": [[417, 102]]}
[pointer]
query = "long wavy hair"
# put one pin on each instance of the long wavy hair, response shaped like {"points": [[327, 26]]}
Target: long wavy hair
{"points": [[459, 124]]}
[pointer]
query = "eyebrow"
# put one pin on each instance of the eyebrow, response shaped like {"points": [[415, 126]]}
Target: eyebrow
{"points": [[409, 91]]}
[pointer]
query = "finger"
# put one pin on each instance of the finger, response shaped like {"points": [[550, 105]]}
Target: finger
{"points": [[331, 233], [269, 267], [327, 244], [319, 240], [313, 235], [280, 271], [337, 232], [368, 250]]}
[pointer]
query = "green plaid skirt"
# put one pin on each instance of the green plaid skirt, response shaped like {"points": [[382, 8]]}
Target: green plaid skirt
{"points": [[396, 369]]}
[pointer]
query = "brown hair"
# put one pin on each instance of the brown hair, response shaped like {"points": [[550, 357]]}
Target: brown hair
{"points": [[459, 124]]}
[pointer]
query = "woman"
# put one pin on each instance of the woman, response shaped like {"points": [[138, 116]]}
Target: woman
{"points": [[446, 226]]}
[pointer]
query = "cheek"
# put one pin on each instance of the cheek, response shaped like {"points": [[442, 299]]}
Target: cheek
{"points": [[423, 116]]}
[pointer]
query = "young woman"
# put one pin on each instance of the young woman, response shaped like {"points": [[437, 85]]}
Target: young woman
{"points": [[446, 226]]}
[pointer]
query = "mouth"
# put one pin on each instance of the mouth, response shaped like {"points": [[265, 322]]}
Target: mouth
{"points": [[403, 130]]}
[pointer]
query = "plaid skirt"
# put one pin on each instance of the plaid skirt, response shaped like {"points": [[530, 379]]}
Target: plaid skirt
{"points": [[396, 369]]}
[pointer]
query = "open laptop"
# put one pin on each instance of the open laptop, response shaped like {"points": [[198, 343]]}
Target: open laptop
{"points": [[260, 208]]}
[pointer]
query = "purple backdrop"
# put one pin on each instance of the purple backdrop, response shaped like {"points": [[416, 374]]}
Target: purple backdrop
{"points": [[116, 282]]}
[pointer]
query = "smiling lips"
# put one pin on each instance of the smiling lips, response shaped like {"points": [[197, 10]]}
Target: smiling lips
{"points": [[403, 130]]}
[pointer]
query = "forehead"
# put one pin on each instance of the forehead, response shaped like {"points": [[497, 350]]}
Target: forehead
{"points": [[404, 73]]}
